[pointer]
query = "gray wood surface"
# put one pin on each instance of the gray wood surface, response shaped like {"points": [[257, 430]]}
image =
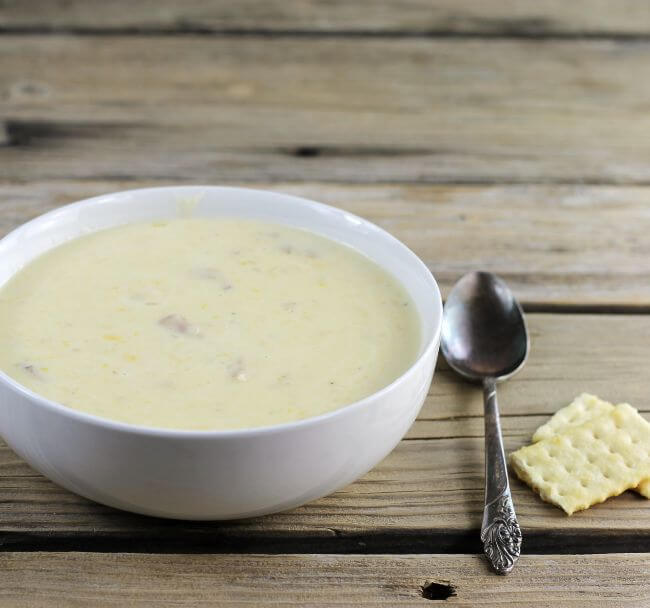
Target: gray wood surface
{"points": [[475, 17], [427, 495], [258, 108], [82, 579], [558, 246], [503, 134]]}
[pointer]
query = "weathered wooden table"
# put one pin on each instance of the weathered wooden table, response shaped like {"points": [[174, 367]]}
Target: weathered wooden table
{"points": [[503, 135]]}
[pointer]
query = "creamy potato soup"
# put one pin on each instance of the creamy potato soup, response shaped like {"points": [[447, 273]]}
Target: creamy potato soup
{"points": [[205, 324]]}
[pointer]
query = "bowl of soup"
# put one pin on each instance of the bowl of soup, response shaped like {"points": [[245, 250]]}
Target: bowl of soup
{"points": [[205, 352]]}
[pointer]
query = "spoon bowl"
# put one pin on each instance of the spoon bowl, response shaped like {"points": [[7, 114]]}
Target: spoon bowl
{"points": [[484, 333]]}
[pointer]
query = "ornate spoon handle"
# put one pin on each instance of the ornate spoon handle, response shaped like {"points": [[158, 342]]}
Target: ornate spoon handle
{"points": [[500, 531]]}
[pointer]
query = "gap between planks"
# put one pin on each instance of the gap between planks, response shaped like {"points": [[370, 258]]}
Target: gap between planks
{"points": [[306, 17], [202, 31], [210, 539]]}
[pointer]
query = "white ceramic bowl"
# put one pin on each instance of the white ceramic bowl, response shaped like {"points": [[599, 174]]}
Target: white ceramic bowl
{"points": [[216, 474]]}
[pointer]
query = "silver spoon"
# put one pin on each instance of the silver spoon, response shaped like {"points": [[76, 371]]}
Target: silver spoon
{"points": [[484, 339]]}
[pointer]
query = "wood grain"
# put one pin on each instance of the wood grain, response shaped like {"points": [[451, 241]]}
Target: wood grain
{"points": [[581, 247], [426, 496], [94, 579], [256, 108], [491, 17], [471, 130]]}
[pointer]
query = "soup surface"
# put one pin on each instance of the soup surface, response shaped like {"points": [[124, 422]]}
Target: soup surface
{"points": [[205, 324]]}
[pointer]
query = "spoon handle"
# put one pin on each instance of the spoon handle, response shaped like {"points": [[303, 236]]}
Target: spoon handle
{"points": [[500, 531]]}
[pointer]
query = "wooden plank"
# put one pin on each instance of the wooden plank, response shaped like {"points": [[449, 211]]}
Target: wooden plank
{"points": [[95, 579], [510, 17], [426, 496], [259, 108], [557, 246]]}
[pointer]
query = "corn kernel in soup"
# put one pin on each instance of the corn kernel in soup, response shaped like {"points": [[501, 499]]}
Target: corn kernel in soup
{"points": [[205, 324]]}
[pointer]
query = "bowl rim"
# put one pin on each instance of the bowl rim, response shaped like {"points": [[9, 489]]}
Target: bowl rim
{"points": [[152, 431]]}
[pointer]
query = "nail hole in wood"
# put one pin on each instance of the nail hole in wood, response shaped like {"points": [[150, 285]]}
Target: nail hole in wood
{"points": [[438, 591]]}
